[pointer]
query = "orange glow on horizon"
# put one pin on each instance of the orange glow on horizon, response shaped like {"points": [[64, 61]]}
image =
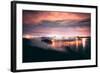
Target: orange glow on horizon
{"points": [[28, 36]]}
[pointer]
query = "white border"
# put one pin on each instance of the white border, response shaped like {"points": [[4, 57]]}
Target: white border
{"points": [[37, 65]]}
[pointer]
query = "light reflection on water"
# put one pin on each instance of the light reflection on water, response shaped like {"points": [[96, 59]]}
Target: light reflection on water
{"points": [[69, 43], [84, 42]]}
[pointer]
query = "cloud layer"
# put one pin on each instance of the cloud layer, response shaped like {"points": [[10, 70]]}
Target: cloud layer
{"points": [[44, 23]]}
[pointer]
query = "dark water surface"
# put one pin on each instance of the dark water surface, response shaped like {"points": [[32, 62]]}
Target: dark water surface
{"points": [[41, 50]]}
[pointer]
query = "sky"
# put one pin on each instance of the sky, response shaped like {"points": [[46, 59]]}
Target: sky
{"points": [[53, 23]]}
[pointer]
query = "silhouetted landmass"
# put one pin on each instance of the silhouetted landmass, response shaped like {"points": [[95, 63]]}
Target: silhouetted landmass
{"points": [[46, 40], [32, 53]]}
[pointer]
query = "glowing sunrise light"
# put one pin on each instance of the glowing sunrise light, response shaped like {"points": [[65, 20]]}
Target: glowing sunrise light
{"points": [[56, 36], [28, 36]]}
